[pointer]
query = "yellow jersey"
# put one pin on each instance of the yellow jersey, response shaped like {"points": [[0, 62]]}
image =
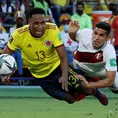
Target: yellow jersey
{"points": [[39, 54]]}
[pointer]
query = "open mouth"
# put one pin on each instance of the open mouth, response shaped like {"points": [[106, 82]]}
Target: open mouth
{"points": [[96, 43], [38, 31]]}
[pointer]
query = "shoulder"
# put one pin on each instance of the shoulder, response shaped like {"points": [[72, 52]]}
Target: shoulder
{"points": [[109, 48], [109, 45], [22, 29], [74, 15], [86, 31], [84, 34], [50, 26], [85, 15]]}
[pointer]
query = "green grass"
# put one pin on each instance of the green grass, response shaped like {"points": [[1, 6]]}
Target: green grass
{"points": [[51, 108], [43, 106]]}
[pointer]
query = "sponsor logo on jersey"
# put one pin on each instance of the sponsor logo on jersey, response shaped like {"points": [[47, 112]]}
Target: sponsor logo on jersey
{"points": [[112, 62], [48, 43]]}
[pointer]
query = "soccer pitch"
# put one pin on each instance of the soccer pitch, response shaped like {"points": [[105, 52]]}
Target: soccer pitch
{"points": [[21, 105]]}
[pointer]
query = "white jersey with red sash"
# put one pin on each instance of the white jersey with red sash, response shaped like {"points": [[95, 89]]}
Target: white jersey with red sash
{"points": [[93, 62]]}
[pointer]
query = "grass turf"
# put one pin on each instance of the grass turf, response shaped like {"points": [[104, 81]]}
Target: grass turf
{"points": [[51, 108], [43, 106]]}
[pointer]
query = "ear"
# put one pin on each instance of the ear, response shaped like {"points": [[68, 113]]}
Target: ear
{"points": [[109, 37]]}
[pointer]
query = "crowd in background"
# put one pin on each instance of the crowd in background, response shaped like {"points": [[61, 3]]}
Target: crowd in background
{"points": [[54, 8], [14, 14]]}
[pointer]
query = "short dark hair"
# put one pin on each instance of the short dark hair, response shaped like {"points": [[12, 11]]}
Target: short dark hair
{"points": [[105, 26], [80, 3], [36, 11]]}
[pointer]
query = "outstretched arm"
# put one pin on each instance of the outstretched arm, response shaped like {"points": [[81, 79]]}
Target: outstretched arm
{"points": [[72, 30], [107, 82], [6, 50]]}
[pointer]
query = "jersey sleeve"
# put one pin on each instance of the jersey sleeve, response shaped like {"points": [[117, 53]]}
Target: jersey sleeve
{"points": [[83, 35], [57, 40], [14, 41], [110, 56]]}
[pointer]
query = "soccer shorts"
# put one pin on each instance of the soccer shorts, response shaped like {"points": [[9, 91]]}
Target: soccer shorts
{"points": [[52, 87]]}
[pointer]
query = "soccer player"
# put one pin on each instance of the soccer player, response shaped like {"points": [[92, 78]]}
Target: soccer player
{"points": [[46, 59], [95, 56]]}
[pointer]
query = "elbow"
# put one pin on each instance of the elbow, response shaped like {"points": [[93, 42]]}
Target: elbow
{"points": [[72, 36], [110, 83]]}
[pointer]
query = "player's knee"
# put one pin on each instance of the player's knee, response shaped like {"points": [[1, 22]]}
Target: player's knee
{"points": [[69, 99], [70, 102]]}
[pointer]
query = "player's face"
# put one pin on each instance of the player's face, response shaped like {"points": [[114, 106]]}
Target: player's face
{"points": [[37, 25], [99, 37]]}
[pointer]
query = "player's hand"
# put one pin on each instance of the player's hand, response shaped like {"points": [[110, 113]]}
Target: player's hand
{"points": [[73, 27], [64, 82], [5, 79], [84, 82]]}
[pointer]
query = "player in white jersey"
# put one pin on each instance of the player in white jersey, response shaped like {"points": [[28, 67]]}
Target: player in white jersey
{"points": [[95, 57]]}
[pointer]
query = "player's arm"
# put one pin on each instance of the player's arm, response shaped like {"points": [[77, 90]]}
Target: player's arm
{"points": [[59, 46], [7, 50], [64, 66], [72, 30], [107, 82], [5, 79]]}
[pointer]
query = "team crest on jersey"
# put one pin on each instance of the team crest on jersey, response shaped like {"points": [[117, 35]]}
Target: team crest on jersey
{"points": [[48, 43], [98, 56], [10, 39]]}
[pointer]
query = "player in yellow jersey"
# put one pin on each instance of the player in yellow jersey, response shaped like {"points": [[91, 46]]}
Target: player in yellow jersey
{"points": [[46, 58]]}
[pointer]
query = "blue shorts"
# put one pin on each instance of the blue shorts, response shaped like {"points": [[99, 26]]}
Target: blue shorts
{"points": [[52, 87]]}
